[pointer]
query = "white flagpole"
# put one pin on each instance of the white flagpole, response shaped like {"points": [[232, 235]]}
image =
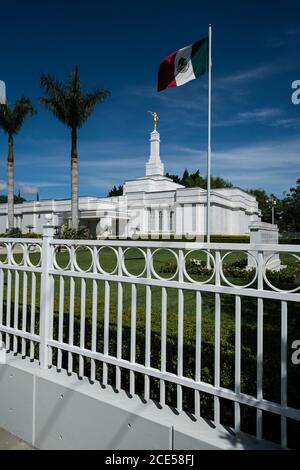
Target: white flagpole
{"points": [[208, 221], [2, 92]]}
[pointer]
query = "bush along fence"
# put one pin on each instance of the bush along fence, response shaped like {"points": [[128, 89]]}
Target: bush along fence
{"points": [[186, 324]]}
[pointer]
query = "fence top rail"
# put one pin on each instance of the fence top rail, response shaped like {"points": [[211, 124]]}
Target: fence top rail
{"points": [[182, 245], [24, 241], [268, 247]]}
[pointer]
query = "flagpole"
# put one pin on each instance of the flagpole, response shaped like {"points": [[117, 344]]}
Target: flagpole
{"points": [[208, 221]]}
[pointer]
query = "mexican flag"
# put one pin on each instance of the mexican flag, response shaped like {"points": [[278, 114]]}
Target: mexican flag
{"points": [[183, 65]]}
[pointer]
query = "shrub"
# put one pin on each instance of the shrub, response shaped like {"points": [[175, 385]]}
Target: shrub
{"points": [[32, 235], [286, 278], [12, 233], [70, 233], [192, 238]]}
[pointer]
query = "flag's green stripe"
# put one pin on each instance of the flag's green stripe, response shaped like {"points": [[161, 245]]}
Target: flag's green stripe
{"points": [[199, 57]]}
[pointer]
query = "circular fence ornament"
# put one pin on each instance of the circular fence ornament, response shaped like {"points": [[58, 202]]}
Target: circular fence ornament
{"points": [[80, 252], [17, 254], [198, 265], [232, 273], [62, 252], [109, 253], [34, 255], [3, 253], [290, 279], [135, 256], [164, 263]]}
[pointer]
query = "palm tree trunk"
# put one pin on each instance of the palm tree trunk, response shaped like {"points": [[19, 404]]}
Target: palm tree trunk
{"points": [[74, 180], [10, 183]]}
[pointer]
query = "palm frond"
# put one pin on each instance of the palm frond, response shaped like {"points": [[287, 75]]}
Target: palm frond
{"points": [[12, 118], [67, 101], [55, 97], [92, 99]]}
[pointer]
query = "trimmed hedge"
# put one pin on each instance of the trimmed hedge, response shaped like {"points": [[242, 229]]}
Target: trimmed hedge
{"points": [[289, 241]]}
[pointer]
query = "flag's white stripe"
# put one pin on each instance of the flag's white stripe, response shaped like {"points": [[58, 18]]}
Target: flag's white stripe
{"points": [[187, 73]]}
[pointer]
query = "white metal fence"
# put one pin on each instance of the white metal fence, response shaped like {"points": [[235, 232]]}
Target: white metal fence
{"points": [[141, 316]]}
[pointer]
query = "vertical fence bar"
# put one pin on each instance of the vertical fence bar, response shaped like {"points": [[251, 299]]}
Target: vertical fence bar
{"points": [[120, 319], [60, 319], [163, 362], [1, 304], [148, 327], [16, 312], [46, 294], [8, 308], [260, 327], [51, 319], [71, 313], [237, 368], [132, 338], [217, 339], [32, 312], [94, 317], [24, 305], [106, 329], [180, 330], [284, 334], [94, 328], [82, 324], [8, 296], [198, 351]]}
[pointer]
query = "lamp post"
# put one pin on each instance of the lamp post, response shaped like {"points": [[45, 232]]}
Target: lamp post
{"points": [[272, 203]]}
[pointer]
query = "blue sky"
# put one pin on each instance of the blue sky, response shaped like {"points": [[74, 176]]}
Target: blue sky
{"points": [[118, 45]]}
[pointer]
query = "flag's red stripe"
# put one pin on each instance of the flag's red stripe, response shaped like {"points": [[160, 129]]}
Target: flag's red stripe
{"points": [[166, 72]]}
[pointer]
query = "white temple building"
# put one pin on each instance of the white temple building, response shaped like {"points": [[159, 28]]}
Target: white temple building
{"points": [[150, 204]]}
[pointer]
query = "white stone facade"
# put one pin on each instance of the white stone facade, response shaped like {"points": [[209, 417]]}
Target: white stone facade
{"points": [[151, 203]]}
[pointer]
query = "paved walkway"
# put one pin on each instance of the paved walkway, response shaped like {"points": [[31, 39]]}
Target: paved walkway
{"points": [[10, 442]]}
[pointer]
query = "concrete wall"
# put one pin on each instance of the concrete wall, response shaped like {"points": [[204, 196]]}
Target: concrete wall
{"points": [[51, 410]]}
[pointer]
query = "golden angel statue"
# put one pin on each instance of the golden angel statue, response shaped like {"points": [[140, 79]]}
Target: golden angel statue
{"points": [[155, 118]]}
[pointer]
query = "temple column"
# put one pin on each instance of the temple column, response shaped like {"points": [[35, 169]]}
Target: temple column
{"points": [[165, 221], [156, 220], [178, 220]]}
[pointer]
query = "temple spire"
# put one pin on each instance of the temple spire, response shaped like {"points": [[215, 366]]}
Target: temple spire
{"points": [[154, 166]]}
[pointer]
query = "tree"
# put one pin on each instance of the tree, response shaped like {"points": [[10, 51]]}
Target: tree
{"points": [[11, 121], [17, 199], [291, 209], [116, 191], [195, 180], [175, 178], [72, 106]]}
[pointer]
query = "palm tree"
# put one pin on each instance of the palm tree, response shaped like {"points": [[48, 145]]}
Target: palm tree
{"points": [[11, 120], [72, 106]]}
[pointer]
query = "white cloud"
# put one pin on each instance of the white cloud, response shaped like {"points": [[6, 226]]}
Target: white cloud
{"points": [[273, 165], [29, 189], [253, 73], [35, 185], [260, 114]]}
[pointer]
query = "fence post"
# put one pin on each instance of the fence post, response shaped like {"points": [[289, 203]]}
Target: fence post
{"points": [[46, 291]]}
